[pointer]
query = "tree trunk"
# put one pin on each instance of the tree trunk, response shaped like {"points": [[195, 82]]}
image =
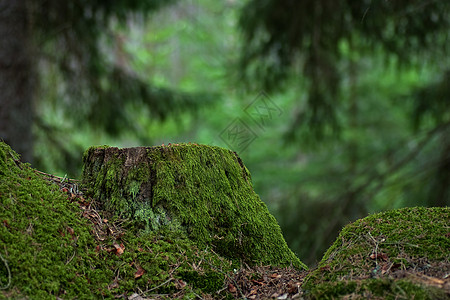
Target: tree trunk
{"points": [[16, 78], [204, 190]]}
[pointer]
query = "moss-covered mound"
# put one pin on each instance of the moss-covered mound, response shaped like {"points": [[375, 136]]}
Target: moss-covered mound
{"points": [[204, 190], [403, 253], [50, 248], [41, 238]]}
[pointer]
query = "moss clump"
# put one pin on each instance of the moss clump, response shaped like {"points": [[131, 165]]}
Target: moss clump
{"points": [[207, 282], [167, 258], [365, 257], [205, 190], [49, 251], [375, 289], [42, 239]]}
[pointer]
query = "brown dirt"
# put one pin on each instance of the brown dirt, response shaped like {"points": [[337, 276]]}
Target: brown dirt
{"points": [[266, 282]]}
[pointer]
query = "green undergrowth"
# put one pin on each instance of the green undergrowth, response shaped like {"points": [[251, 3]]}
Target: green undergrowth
{"points": [[382, 288], [204, 190], [366, 251], [48, 249]]}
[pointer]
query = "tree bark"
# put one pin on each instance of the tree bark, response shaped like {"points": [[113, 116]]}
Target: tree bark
{"points": [[16, 78]]}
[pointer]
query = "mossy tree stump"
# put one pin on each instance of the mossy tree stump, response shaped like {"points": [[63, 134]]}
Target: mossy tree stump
{"points": [[202, 190]]}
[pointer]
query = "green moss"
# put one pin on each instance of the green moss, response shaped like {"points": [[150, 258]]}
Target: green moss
{"points": [[384, 288], [332, 290], [198, 199], [48, 260], [393, 238], [164, 256], [207, 190], [44, 255], [208, 282]]}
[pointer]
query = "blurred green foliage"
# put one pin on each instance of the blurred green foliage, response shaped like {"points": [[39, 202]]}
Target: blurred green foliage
{"points": [[363, 117]]}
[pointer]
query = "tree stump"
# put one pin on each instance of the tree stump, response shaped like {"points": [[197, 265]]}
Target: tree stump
{"points": [[201, 190]]}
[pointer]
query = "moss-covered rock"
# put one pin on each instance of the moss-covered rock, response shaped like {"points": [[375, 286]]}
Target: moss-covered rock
{"points": [[205, 191], [395, 254]]}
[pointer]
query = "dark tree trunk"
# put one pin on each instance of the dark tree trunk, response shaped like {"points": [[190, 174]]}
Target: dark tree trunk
{"points": [[16, 78]]}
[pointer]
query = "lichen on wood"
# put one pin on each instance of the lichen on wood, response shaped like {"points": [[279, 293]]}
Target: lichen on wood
{"points": [[205, 191]]}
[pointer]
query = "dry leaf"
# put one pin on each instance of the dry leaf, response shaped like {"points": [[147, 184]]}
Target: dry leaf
{"points": [[381, 256], [140, 271], [119, 249], [232, 288], [257, 282]]}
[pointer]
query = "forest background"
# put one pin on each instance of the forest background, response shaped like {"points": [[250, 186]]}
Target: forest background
{"points": [[338, 108]]}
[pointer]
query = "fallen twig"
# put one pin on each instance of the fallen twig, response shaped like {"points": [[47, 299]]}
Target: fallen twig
{"points": [[9, 273]]}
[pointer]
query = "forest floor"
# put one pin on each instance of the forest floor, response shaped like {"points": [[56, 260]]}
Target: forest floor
{"points": [[268, 282], [56, 242]]}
